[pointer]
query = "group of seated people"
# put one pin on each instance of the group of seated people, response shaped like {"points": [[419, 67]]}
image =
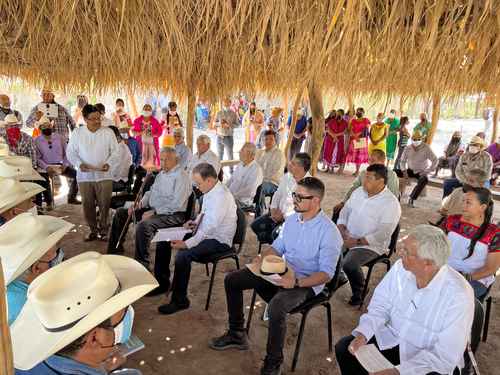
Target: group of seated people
{"points": [[420, 316]]}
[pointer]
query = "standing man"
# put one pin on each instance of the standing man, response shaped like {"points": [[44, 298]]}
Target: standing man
{"points": [[63, 123], [94, 153], [225, 122]]}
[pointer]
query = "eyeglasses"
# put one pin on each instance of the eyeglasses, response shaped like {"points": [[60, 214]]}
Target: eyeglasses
{"points": [[299, 198]]}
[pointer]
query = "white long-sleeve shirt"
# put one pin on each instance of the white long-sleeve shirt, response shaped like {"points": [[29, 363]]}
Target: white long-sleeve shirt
{"points": [[207, 157], [95, 150], [373, 218], [272, 162], [431, 325], [120, 173], [244, 182], [219, 217], [282, 198]]}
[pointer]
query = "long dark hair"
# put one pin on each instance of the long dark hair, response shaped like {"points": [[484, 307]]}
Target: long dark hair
{"points": [[483, 195]]}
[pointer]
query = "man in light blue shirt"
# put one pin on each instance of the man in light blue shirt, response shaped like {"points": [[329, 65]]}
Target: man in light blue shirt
{"points": [[167, 199], [182, 150], [310, 243]]}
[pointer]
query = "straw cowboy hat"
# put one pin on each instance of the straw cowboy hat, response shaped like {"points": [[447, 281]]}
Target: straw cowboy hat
{"points": [[14, 192], [271, 265], [44, 120], [69, 300], [4, 150], [10, 119], [20, 168], [17, 252], [477, 140]]}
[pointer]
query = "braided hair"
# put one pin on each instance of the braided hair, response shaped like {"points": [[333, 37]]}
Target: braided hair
{"points": [[483, 195]]}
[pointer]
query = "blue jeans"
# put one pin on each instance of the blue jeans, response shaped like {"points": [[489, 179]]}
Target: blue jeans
{"points": [[449, 185]]}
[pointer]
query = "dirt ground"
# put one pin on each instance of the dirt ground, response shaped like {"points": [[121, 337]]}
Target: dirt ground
{"points": [[178, 344]]}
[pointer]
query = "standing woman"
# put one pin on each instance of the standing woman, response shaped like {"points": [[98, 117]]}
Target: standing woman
{"points": [[334, 149], [147, 131], [392, 138], [358, 144], [121, 118], [378, 134], [404, 136]]}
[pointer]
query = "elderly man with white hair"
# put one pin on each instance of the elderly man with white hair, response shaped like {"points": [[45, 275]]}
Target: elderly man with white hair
{"points": [[421, 313], [204, 154], [182, 150], [246, 178]]}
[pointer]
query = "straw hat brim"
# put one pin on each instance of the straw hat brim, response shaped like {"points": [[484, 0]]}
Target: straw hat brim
{"points": [[33, 176], [255, 269], [32, 343], [31, 189], [17, 260]]}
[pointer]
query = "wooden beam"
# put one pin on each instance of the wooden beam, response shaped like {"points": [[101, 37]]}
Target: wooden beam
{"points": [[494, 126], [402, 102], [436, 109], [318, 117], [6, 362], [191, 103], [350, 105], [293, 123], [132, 104]]}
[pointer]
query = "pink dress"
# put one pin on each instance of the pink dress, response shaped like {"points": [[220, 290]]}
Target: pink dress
{"points": [[334, 150], [359, 155], [150, 146]]}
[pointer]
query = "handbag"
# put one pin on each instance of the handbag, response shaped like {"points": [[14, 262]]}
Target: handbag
{"points": [[360, 143]]}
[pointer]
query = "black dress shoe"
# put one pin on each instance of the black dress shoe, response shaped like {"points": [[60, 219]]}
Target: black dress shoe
{"points": [[230, 340], [90, 237], [172, 308], [157, 291], [74, 201]]}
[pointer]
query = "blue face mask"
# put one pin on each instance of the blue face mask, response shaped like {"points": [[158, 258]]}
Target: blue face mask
{"points": [[123, 330], [58, 258]]}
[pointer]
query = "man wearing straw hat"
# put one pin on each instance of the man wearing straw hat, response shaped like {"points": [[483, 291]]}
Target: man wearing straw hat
{"points": [[311, 245], [28, 256], [72, 327], [63, 122], [20, 143], [5, 109], [16, 197]]}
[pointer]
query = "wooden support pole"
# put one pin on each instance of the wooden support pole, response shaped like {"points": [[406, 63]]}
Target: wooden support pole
{"points": [[132, 104], [6, 362], [191, 103], [494, 126], [402, 102], [318, 117], [293, 123], [350, 105], [436, 109]]}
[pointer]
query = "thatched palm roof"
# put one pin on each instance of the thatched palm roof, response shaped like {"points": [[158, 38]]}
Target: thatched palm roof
{"points": [[410, 47]]}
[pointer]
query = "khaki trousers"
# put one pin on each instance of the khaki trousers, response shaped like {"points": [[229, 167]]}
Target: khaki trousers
{"points": [[96, 194]]}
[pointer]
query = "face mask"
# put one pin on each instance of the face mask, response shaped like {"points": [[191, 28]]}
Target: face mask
{"points": [[172, 113], [47, 131], [359, 115], [147, 113], [58, 259], [416, 143], [123, 330], [474, 149]]}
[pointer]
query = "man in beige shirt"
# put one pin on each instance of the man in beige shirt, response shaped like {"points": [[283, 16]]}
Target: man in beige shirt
{"points": [[272, 162]]}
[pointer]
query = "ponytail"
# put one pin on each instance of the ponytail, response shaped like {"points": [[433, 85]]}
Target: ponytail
{"points": [[484, 197]]}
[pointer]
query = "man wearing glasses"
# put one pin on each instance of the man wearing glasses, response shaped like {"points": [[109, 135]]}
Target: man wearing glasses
{"points": [[311, 243], [366, 223], [183, 151]]}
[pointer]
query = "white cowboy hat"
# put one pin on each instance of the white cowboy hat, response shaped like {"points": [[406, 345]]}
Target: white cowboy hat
{"points": [[20, 168], [71, 299], [4, 149], [17, 252], [13, 192], [477, 140], [10, 119], [271, 265], [43, 120]]}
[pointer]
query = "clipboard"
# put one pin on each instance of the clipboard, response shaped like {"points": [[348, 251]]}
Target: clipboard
{"points": [[50, 110]]}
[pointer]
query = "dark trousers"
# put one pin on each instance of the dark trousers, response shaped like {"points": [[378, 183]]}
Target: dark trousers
{"points": [[281, 302], [267, 189], [265, 228], [353, 261], [422, 181], [449, 185], [139, 174], [295, 146], [70, 173]]}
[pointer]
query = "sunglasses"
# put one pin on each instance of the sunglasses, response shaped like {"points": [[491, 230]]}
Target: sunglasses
{"points": [[299, 198]]}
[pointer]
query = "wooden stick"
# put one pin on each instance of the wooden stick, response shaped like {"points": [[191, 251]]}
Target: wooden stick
{"points": [[436, 109], [318, 116], [291, 131], [6, 361], [132, 103], [494, 125], [191, 103]]}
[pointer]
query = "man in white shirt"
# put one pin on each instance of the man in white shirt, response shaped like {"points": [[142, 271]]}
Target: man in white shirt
{"points": [[420, 315], [272, 161], [204, 154], [93, 151], [366, 223], [246, 178], [182, 150], [213, 230], [266, 226], [120, 173]]}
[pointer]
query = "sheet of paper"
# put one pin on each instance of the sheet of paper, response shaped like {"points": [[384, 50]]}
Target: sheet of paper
{"points": [[134, 344], [170, 234], [371, 359]]}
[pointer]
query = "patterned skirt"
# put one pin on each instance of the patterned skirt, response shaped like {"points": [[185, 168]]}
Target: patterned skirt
{"points": [[357, 156]]}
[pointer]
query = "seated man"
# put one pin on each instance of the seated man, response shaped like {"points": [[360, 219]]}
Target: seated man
{"points": [[366, 223], [182, 150], [246, 178], [30, 255], [213, 230], [19, 142], [204, 155], [311, 244], [272, 161], [266, 227], [417, 161], [420, 315], [168, 200], [121, 170], [376, 157], [56, 344], [17, 197]]}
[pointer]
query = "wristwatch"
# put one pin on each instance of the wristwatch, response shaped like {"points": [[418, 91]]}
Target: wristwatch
{"points": [[296, 285]]}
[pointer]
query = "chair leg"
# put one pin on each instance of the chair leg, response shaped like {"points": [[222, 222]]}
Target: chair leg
{"points": [[260, 248], [365, 287], [237, 261], [388, 264], [487, 318], [214, 267], [206, 268], [250, 312], [299, 341], [329, 322]]}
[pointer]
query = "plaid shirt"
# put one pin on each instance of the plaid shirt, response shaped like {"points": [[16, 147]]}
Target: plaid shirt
{"points": [[61, 123], [25, 147]]}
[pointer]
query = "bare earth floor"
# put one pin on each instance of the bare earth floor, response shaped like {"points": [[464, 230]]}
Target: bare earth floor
{"points": [[178, 344]]}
